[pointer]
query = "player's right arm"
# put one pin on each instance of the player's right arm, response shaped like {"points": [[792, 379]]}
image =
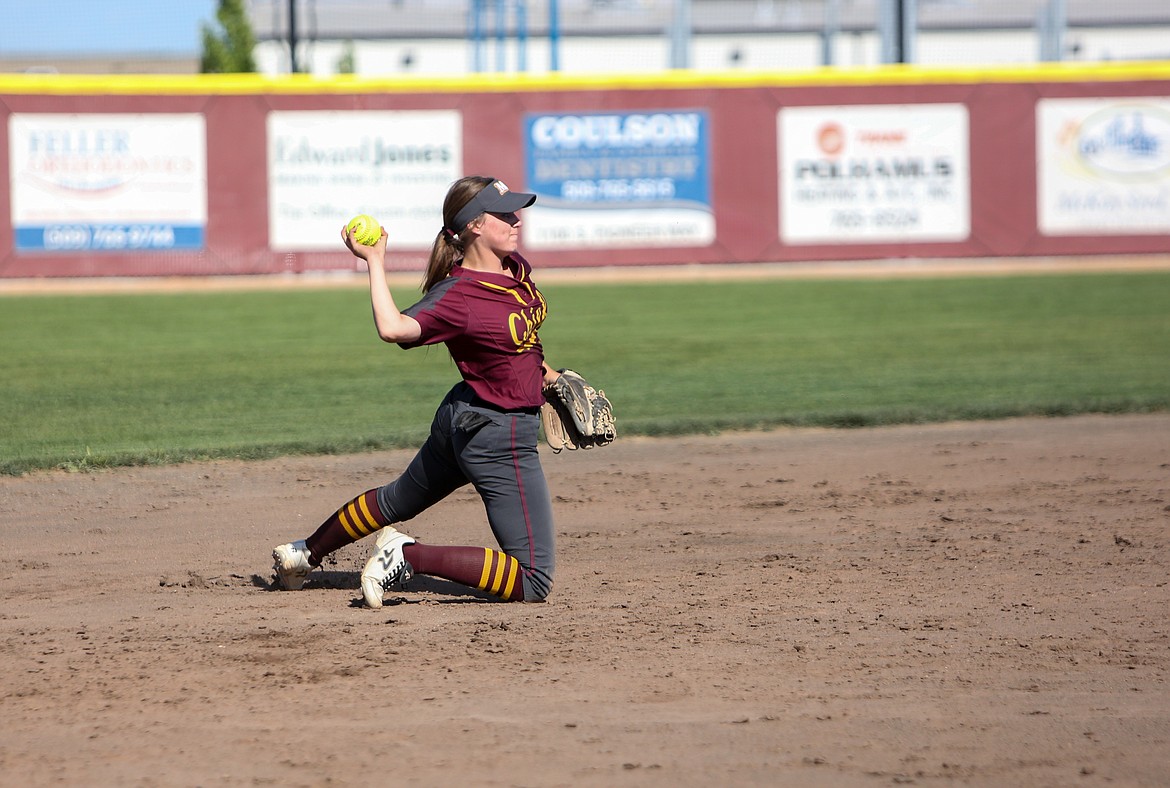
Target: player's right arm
{"points": [[392, 325]]}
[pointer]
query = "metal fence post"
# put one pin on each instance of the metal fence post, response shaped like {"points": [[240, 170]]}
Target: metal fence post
{"points": [[1051, 21], [680, 35]]}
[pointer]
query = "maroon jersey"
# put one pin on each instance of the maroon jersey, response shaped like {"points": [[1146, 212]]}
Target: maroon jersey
{"points": [[489, 323]]}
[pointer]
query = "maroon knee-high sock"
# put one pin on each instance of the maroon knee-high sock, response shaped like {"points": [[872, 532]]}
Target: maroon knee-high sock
{"points": [[479, 567], [360, 517]]}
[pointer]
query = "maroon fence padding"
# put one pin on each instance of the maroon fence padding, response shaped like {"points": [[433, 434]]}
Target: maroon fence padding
{"points": [[743, 172]]}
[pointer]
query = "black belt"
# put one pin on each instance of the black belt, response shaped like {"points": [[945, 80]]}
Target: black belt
{"points": [[480, 402]]}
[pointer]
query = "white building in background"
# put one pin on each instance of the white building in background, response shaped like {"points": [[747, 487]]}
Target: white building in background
{"points": [[379, 38], [445, 37]]}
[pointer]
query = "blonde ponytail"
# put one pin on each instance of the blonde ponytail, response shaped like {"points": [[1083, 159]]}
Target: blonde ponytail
{"points": [[444, 252]]}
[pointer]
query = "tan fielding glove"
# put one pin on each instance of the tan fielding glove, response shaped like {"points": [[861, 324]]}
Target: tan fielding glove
{"points": [[576, 415]]}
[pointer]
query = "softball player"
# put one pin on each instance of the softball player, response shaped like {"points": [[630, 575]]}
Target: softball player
{"points": [[480, 301]]}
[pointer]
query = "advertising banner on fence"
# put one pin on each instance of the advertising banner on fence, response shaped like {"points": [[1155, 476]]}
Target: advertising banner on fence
{"points": [[618, 180], [326, 167], [1103, 166], [117, 183], [874, 174]]}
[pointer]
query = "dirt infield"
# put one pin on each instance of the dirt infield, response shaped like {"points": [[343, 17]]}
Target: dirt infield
{"points": [[972, 604]]}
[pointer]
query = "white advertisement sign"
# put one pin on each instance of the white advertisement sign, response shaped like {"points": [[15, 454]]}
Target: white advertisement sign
{"points": [[124, 182], [874, 174], [1104, 166], [324, 168]]}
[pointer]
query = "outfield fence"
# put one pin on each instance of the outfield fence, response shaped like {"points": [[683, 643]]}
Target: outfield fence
{"points": [[201, 175]]}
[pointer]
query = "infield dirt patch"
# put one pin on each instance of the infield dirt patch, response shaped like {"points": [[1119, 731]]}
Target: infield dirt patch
{"points": [[973, 603]]}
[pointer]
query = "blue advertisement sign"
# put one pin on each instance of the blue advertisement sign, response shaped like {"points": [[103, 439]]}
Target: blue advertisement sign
{"points": [[108, 237], [619, 179]]}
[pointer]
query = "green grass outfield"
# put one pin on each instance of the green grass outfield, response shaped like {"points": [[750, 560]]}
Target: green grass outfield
{"points": [[100, 380]]}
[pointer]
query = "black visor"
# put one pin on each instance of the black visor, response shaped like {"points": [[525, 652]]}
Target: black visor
{"points": [[493, 198]]}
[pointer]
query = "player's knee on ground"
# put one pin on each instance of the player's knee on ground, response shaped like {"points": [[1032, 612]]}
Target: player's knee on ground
{"points": [[537, 585]]}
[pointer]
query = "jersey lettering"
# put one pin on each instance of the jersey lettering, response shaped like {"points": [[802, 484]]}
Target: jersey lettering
{"points": [[523, 325]]}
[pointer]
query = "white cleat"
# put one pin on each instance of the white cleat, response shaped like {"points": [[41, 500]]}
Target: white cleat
{"points": [[291, 564], [387, 566]]}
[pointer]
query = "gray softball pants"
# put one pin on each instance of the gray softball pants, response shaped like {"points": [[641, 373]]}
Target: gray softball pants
{"points": [[494, 450]]}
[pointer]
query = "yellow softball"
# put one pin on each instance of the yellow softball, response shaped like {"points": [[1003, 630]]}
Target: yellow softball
{"points": [[365, 229]]}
